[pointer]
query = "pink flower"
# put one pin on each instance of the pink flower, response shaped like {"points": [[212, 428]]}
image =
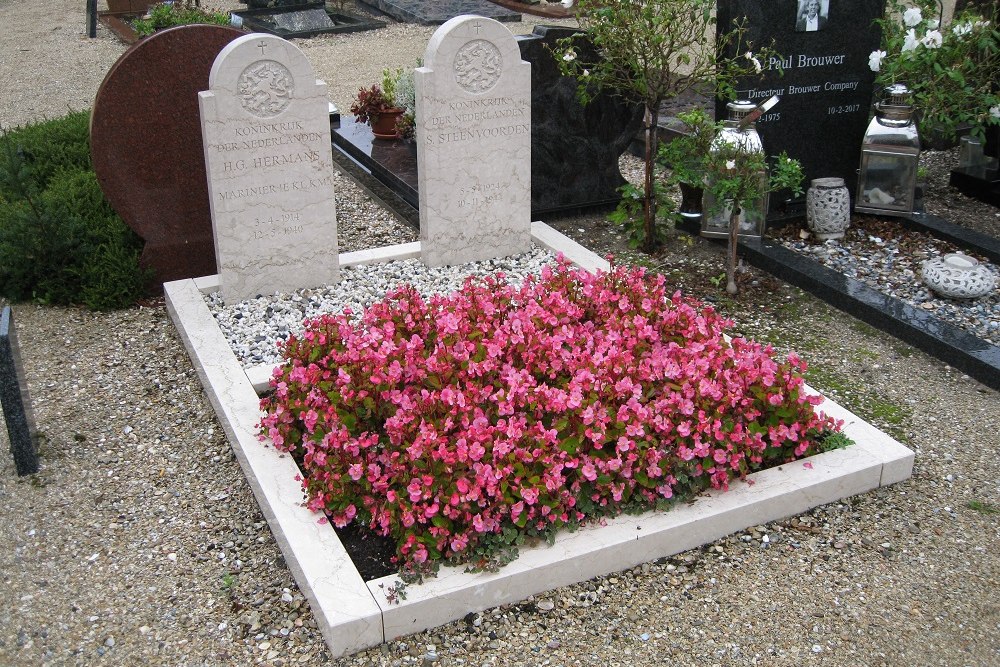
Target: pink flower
{"points": [[442, 420]]}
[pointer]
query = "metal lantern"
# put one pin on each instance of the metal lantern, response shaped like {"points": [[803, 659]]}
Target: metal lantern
{"points": [[738, 130], [889, 152]]}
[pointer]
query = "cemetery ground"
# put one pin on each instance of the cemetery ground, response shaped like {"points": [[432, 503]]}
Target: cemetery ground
{"points": [[141, 542]]}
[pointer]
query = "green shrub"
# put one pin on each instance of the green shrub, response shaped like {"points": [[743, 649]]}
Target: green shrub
{"points": [[49, 147], [60, 241], [163, 16]]}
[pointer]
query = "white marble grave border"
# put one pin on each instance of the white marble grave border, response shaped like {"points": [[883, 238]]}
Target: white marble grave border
{"points": [[354, 614]]}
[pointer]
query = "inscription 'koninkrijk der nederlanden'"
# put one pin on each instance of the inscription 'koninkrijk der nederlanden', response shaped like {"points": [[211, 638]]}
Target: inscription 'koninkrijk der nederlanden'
{"points": [[269, 128], [253, 144]]}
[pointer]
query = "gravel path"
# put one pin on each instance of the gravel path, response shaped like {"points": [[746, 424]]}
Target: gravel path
{"points": [[140, 542]]}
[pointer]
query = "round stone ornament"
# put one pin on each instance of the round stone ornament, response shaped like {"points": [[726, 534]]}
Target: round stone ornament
{"points": [[958, 276]]}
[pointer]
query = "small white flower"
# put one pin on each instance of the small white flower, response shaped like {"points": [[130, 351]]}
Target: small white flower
{"points": [[981, 24], [995, 112], [586, 72], [730, 164], [912, 17], [875, 60], [569, 56], [961, 29], [910, 42], [933, 24], [932, 39], [756, 63]]}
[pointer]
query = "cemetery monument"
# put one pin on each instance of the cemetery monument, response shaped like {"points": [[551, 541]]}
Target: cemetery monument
{"points": [[266, 134], [826, 88], [474, 144]]}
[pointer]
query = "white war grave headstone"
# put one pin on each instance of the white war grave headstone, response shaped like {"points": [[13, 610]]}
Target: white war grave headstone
{"points": [[474, 144], [266, 132]]}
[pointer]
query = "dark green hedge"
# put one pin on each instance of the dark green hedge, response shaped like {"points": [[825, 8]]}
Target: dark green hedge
{"points": [[60, 241]]}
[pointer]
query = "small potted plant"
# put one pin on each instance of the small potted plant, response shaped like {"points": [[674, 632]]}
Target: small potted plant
{"points": [[377, 107], [406, 99], [406, 127], [684, 155]]}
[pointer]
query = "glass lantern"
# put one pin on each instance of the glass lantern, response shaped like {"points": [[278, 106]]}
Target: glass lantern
{"points": [[736, 131], [889, 153]]}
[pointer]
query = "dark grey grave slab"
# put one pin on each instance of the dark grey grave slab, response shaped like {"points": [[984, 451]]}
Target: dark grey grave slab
{"points": [[826, 90], [574, 148], [392, 163], [971, 355], [435, 12], [16, 401], [304, 20], [981, 182]]}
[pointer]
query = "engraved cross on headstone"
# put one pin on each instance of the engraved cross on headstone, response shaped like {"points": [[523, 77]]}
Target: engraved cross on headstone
{"points": [[262, 45], [478, 26]]}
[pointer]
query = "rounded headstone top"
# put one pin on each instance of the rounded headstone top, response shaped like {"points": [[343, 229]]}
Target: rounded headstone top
{"points": [[146, 145], [467, 36]]}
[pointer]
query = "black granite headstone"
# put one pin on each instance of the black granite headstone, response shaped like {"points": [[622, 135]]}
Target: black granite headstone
{"points": [[826, 90], [15, 399], [574, 147]]}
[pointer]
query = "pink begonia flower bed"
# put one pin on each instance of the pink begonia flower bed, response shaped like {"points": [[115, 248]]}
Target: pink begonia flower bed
{"points": [[460, 424], [354, 614]]}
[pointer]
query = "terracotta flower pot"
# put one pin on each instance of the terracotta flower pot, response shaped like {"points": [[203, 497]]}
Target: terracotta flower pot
{"points": [[385, 126]]}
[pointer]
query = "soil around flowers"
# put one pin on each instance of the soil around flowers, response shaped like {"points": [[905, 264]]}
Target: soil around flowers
{"points": [[371, 553]]}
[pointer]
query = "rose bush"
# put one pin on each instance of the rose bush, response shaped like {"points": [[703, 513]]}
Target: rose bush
{"points": [[952, 70], [462, 424]]}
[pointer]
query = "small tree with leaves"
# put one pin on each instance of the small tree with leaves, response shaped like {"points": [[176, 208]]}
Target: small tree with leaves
{"points": [[652, 51], [735, 183]]}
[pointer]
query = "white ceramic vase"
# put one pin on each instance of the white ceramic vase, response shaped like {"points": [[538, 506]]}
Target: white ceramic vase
{"points": [[828, 208]]}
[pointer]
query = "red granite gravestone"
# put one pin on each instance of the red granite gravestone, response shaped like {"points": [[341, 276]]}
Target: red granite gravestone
{"points": [[146, 147]]}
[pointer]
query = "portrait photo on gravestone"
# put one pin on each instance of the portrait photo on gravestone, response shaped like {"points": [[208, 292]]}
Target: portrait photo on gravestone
{"points": [[812, 15]]}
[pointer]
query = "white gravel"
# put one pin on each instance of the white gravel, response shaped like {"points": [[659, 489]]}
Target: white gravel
{"points": [[254, 327], [140, 543]]}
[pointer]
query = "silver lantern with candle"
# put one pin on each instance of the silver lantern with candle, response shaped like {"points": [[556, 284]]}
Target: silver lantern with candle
{"points": [[740, 132], [889, 152]]}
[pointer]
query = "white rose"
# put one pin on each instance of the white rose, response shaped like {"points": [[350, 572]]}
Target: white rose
{"points": [[875, 60], [995, 112], [910, 42], [569, 56], [933, 24], [756, 63], [912, 17], [932, 39], [730, 164], [961, 29]]}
